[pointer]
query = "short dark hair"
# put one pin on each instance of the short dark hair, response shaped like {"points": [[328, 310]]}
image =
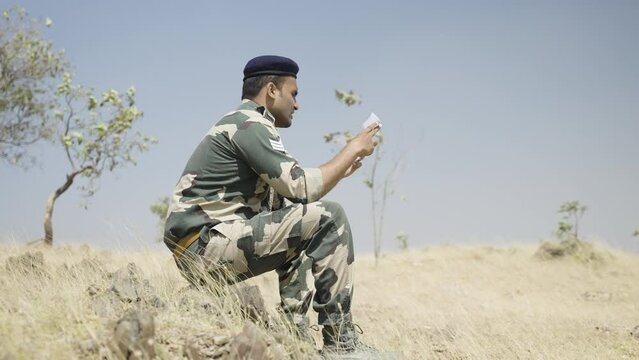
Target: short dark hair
{"points": [[253, 85]]}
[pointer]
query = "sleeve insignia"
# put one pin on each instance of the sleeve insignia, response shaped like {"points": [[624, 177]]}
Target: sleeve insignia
{"points": [[277, 145]]}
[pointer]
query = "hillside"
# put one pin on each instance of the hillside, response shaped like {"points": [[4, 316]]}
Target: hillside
{"points": [[445, 302]]}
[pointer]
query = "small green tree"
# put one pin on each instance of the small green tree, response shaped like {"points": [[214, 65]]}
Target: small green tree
{"points": [[348, 98], [96, 135], [380, 186], [402, 238], [572, 212], [38, 101], [161, 208], [636, 233], [29, 71], [570, 244]]}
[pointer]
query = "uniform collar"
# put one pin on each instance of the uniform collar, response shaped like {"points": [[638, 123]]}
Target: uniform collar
{"points": [[252, 105]]}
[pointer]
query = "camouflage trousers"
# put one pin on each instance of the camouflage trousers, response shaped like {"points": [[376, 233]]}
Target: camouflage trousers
{"points": [[298, 241]]}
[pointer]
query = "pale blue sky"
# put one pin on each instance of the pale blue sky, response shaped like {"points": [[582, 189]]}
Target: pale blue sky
{"points": [[507, 108]]}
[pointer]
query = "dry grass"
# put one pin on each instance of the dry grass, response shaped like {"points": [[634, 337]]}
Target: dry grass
{"points": [[439, 303]]}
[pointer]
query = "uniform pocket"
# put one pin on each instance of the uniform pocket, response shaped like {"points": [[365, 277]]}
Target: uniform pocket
{"points": [[216, 247], [251, 237], [222, 253]]}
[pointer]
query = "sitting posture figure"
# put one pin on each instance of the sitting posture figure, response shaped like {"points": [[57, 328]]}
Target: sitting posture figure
{"points": [[244, 205]]}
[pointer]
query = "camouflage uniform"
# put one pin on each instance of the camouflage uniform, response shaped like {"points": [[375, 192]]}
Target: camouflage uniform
{"points": [[255, 210]]}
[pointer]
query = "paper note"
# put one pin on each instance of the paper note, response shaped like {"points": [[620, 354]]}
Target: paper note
{"points": [[372, 119]]}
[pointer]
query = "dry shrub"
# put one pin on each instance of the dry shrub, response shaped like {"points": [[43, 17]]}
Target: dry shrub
{"points": [[573, 248]]}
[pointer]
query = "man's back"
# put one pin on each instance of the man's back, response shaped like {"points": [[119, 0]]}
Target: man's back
{"points": [[229, 175]]}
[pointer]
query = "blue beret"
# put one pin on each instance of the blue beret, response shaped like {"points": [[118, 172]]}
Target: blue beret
{"points": [[270, 65]]}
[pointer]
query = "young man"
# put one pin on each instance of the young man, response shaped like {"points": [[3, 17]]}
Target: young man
{"points": [[246, 206]]}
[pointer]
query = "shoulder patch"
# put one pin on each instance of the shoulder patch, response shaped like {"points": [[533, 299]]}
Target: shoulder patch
{"points": [[277, 145]]}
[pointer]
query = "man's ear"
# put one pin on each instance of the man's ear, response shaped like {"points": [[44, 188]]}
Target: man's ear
{"points": [[271, 89]]}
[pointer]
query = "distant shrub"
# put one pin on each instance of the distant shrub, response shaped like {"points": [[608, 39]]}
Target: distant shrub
{"points": [[402, 238], [160, 208], [579, 250], [568, 242], [572, 212]]}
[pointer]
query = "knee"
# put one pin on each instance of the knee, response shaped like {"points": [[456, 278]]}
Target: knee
{"points": [[335, 210]]}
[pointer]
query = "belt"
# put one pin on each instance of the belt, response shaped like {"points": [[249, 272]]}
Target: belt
{"points": [[184, 244]]}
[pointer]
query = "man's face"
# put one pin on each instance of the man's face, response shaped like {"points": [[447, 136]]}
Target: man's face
{"points": [[284, 102]]}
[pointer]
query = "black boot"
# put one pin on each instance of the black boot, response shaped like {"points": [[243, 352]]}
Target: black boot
{"points": [[341, 342], [303, 330], [300, 326]]}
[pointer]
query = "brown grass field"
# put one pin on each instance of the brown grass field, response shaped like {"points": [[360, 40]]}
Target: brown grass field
{"points": [[444, 302]]}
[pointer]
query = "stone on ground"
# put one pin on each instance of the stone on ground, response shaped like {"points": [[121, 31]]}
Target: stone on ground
{"points": [[133, 336]]}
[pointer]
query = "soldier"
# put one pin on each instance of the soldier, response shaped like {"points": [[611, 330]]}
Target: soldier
{"points": [[244, 205]]}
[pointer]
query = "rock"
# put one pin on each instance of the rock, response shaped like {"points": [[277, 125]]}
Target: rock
{"points": [[252, 303], [194, 299], [154, 301], [8, 356], [91, 266], [202, 346], [277, 352], [83, 269], [27, 264], [93, 290], [635, 332], [127, 283], [88, 346], [221, 340], [126, 286], [124, 283], [220, 352], [105, 302], [133, 336], [191, 351], [249, 344]]}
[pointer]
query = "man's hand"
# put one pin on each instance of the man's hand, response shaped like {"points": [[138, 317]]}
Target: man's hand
{"points": [[354, 167], [364, 143], [349, 159]]}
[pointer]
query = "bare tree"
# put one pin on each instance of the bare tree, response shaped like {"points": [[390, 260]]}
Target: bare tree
{"points": [[380, 183]]}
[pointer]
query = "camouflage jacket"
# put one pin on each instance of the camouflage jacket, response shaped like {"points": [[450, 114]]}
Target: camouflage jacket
{"points": [[239, 169]]}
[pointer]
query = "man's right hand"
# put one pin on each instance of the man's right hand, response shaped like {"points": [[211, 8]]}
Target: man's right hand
{"points": [[348, 160], [364, 143]]}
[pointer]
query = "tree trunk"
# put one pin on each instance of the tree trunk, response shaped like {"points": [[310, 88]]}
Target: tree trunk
{"points": [[48, 213], [373, 187]]}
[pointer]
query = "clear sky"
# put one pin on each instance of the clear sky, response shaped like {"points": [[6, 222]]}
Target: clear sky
{"points": [[506, 109]]}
